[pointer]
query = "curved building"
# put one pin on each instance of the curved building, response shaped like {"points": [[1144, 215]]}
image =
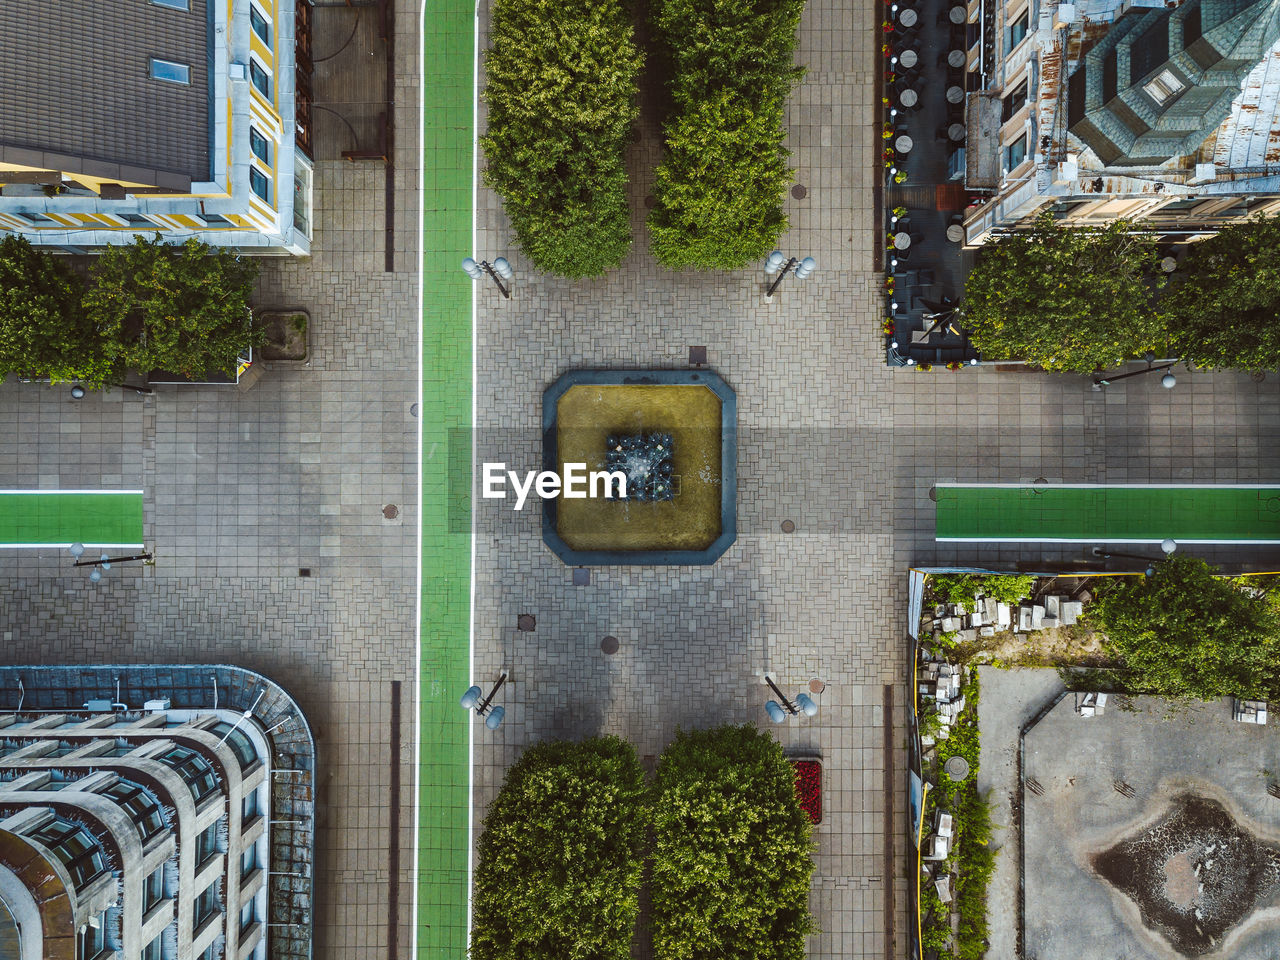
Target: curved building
{"points": [[143, 829]]}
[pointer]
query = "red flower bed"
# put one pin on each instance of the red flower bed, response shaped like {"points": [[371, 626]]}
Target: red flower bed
{"points": [[809, 787]]}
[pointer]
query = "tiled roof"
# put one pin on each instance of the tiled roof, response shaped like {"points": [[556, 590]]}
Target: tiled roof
{"points": [[75, 93]]}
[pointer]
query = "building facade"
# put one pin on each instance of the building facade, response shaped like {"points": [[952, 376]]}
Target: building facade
{"points": [[145, 830], [1162, 112], [197, 123]]}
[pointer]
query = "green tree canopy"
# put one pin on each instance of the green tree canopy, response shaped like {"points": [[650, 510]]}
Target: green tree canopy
{"points": [[560, 84], [731, 862], [1065, 298], [43, 330], [1223, 304], [719, 189], [182, 308], [560, 857], [1185, 632]]}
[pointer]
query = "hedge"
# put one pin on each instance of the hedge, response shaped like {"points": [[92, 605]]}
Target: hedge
{"points": [[731, 862], [561, 82], [719, 189], [559, 862]]}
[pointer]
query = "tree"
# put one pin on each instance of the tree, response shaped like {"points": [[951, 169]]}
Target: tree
{"points": [[561, 81], [1186, 632], [719, 189], [1062, 298], [181, 308], [43, 330], [559, 861], [963, 588], [1223, 306], [731, 861]]}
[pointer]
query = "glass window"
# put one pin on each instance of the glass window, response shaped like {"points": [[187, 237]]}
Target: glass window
{"points": [[207, 843], [173, 4], [195, 770], [249, 806], [260, 26], [259, 77], [206, 904], [1163, 87], [215, 219], [1018, 31], [92, 939], [260, 146], [1014, 102], [153, 889], [248, 915], [169, 71], [143, 809], [1015, 153], [152, 949], [249, 860], [78, 851], [261, 186]]}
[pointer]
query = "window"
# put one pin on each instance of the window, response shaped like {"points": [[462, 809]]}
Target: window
{"points": [[249, 860], [195, 770], [261, 186], [260, 26], [92, 938], [259, 77], [206, 904], [173, 4], [78, 851], [1018, 31], [142, 807], [152, 949], [248, 916], [1014, 102], [1163, 87], [260, 146], [215, 220], [249, 806], [207, 844], [153, 889], [128, 218], [1015, 153], [170, 72]]}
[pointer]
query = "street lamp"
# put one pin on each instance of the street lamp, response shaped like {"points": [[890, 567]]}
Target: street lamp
{"points": [[499, 268], [1168, 381], [778, 712], [472, 699], [774, 264], [1167, 547]]}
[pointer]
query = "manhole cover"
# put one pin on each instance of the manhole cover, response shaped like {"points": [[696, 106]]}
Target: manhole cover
{"points": [[649, 201], [390, 512], [816, 685], [933, 494], [413, 409], [1258, 376], [799, 191], [526, 622], [788, 526], [957, 768], [609, 645]]}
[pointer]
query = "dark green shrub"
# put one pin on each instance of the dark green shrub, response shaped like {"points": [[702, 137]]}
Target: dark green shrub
{"points": [[183, 308], [559, 861], [731, 861], [560, 84], [43, 330], [719, 188]]}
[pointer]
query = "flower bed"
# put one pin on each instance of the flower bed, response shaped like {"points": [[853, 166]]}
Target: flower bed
{"points": [[809, 787]]}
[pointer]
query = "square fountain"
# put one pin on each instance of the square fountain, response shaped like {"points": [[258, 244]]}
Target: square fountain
{"points": [[673, 433]]}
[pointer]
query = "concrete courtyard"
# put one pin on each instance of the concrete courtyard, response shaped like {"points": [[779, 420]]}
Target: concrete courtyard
{"points": [[244, 490]]}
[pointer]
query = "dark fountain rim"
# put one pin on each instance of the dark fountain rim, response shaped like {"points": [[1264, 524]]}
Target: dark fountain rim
{"points": [[728, 466]]}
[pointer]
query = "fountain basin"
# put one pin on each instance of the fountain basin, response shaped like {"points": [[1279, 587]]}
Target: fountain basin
{"points": [[583, 408]]}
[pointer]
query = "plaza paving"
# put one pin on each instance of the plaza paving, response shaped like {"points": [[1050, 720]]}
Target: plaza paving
{"points": [[244, 489]]}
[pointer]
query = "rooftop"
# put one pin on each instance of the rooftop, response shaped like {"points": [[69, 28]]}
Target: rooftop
{"points": [[87, 104]]}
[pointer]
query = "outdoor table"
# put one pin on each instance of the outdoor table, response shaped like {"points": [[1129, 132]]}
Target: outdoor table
{"points": [[903, 144], [908, 17], [908, 58], [955, 94], [955, 233], [956, 132], [956, 58], [901, 241], [958, 15], [908, 98]]}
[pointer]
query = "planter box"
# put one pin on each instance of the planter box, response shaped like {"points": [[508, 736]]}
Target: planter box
{"points": [[809, 786]]}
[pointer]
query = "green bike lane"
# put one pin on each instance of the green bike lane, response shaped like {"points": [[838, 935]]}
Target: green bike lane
{"points": [[443, 795]]}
